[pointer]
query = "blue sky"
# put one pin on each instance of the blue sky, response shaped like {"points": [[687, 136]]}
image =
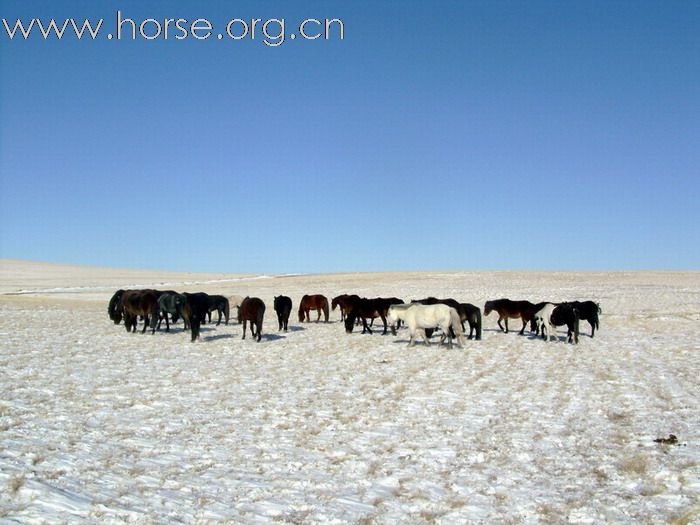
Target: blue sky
{"points": [[436, 135]]}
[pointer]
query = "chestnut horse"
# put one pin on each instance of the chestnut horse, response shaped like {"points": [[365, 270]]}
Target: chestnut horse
{"points": [[508, 309], [252, 309], [313, 302]]}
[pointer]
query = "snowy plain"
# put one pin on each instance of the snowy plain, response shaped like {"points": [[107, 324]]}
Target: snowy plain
{"points": [[98, 425]]}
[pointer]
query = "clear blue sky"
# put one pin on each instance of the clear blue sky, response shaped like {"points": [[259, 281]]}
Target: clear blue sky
{"points": [[436, 135]]}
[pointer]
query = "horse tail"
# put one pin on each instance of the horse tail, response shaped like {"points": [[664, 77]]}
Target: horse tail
{"points": [[227, 309], [259, 322], [478, 324], [455, 322], [325, 309], [576, 323]]}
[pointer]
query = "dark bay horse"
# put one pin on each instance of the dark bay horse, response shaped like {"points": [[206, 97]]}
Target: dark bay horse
{"points": [[343, 301], [588, 311], [313, 302], [364, 309], [283, 308], [252, 309], [508, 309], [138, 303], [566, 314], [221, 305]]}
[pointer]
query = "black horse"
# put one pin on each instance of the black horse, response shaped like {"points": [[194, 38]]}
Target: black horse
{"points": [[566, 314], [283, 307], [114, 309], [252, 309], [195, 311], [472, 314], [168, 303], [221, 305], [588, 311]]}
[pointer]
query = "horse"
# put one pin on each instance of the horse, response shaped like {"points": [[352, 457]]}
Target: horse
{"points": [[135, 303], [235, 302], [114, 309], [418, 317], [313, 302], [506, 309], [343, 301], [252, 309], [168, 303], [283, 307], [543, 320], [588, 311], [467, 312], [566, 314], [472, 314], [362, 309], [194, 311], [221, 305]]}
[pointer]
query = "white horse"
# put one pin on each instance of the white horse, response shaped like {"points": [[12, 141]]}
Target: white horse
{"points": [[543, 319], [418, 317], [235, 302]]}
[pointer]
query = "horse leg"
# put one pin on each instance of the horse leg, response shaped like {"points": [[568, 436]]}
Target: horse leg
{"points": [[365, 327], [425, 337], [219, 321], [522, 330], [385, 325], [244, 325], [167, 323]]}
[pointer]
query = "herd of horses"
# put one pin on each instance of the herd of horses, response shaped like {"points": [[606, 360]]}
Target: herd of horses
{"points": [[421, 316]]}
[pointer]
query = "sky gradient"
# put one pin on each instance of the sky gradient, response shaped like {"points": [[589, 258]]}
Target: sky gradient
{"points": [[435, 136]]}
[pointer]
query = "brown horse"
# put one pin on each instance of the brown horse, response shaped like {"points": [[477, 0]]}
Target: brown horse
{"points": [[252, 309], [344, 301], [138, 303], [508, 309], [313, 302]]}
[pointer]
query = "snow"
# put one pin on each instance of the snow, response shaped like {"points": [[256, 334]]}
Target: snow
{"points": [[316, 426]]}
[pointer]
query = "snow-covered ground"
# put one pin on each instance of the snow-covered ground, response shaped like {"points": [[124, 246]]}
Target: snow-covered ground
{"points": [[315, 426]]}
